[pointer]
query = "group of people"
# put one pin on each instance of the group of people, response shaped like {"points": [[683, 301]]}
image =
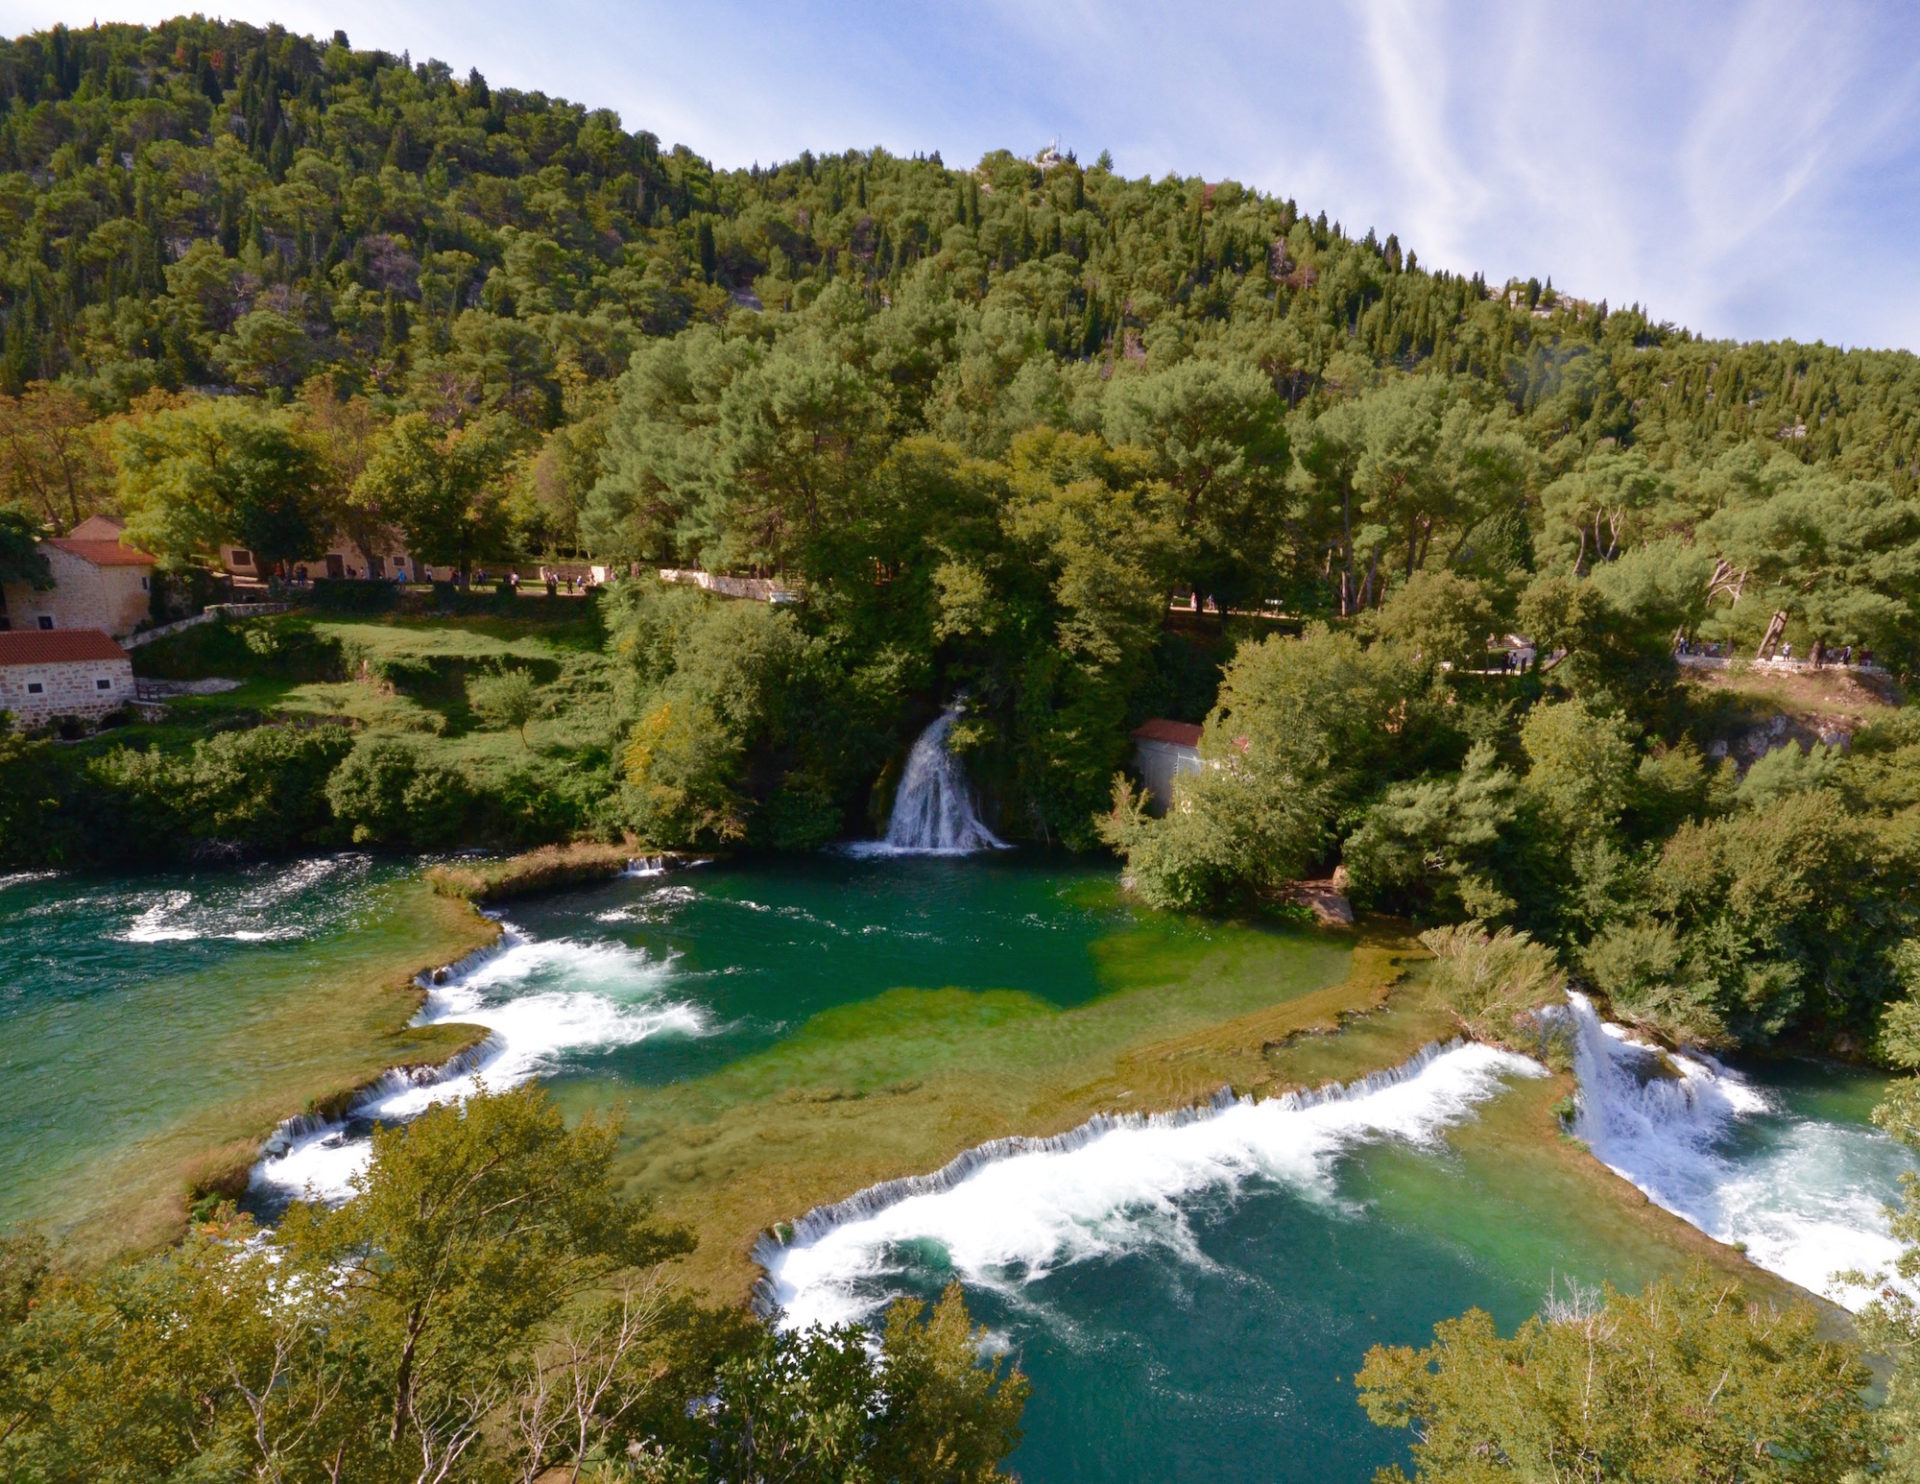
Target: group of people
{"points": [[1818, 656], [553, 581]]}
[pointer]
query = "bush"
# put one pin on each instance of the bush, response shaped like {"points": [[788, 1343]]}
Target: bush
{"points": [[385, 793], [1687, 1380], [506, 700], [266, 788], [1492, 982], [254, 789], [527, 809], [34, 829]]}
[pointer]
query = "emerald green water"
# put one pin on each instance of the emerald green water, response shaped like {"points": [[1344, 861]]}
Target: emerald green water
{"points": [[1190, 1304], [126, 1004]]}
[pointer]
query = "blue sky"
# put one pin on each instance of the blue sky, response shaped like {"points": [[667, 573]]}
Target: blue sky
{"points": [[1746, 169]]}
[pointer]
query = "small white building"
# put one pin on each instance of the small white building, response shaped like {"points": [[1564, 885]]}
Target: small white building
{"points": [[49, 673], [1162, 751]]}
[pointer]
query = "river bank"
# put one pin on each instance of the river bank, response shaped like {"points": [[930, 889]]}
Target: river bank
{"points": [[159, 1029], [756, 1028], [488, 880]]}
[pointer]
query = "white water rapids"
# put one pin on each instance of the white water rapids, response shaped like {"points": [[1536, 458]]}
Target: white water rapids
{"points": [[1806, 1197], [1008, 1212], [538, 1001]]}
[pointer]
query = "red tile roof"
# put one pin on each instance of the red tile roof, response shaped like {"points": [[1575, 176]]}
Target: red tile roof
{"points": [[56, 646], [103, 553], [1159, 729]]}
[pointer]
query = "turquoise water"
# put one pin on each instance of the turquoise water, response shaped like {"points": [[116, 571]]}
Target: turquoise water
{"points": [[1216, 1336], [114, 990], [1190, 1305]]}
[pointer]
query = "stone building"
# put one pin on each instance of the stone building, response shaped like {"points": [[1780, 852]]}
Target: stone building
{"points": [[46, 674], [342, 558], [1162, 751], [97, 584]]}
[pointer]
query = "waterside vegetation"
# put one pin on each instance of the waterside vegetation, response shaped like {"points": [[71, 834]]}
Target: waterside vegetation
{"points": [[1433, 560], [992, 427], [489, 1307]]}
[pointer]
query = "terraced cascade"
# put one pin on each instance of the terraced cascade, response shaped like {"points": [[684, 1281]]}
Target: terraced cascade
{"points": [[1188, 1170], [154, 1029]]}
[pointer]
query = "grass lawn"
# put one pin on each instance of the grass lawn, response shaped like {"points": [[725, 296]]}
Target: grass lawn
{"points": [[397, 676]]}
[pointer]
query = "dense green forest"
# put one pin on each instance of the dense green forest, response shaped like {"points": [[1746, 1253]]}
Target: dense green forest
{"points": [[995, 425], [1083, 448]]}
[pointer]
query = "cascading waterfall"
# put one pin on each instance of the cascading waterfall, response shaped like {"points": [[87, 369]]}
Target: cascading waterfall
{"points": [[933, 810], [1112, 1183], [1804, 1196], [1655, 1116], [538, 1001]]}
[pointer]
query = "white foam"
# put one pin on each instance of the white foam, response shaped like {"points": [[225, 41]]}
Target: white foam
{"points": [[538, 1001], [1806, 1200], [152, 925], [179, 916], [22, 878], [1005, 1215], [868, 850]]}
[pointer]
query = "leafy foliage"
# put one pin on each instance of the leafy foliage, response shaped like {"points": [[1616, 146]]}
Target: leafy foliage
{"points": [[491, 1305], [1687, 1380], [1066, 442]]}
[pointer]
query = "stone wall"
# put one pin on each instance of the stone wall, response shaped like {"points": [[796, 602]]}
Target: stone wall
{"points": [[341, 553], [756, 589], [114, 600], [67, 688], [212, 613]]}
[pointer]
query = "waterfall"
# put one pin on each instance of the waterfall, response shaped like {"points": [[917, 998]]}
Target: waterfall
{"points": [[537, 1000], [933, 809], [1802, 1195], [1112, 1182], [1656, 1117]]}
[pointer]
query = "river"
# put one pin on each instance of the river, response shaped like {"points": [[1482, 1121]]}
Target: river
{"points": [[1191, 1298]]}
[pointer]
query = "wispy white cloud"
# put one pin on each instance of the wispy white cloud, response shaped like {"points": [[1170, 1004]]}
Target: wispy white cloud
{"points": [[1747, 167], [1441, 194]]}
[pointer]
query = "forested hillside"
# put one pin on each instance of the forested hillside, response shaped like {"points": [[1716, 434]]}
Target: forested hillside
{"points": [[994, 423], [1077, 448]]}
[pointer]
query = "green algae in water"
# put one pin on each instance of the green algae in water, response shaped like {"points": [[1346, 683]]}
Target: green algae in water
{"points": [[865, 1019], [147, 1023]]}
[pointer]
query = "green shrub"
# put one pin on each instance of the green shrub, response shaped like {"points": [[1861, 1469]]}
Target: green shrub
{"points": [[506, 699], [526, 808], [266, 787], [34, 829], [1492, 982], [385, 793]]}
